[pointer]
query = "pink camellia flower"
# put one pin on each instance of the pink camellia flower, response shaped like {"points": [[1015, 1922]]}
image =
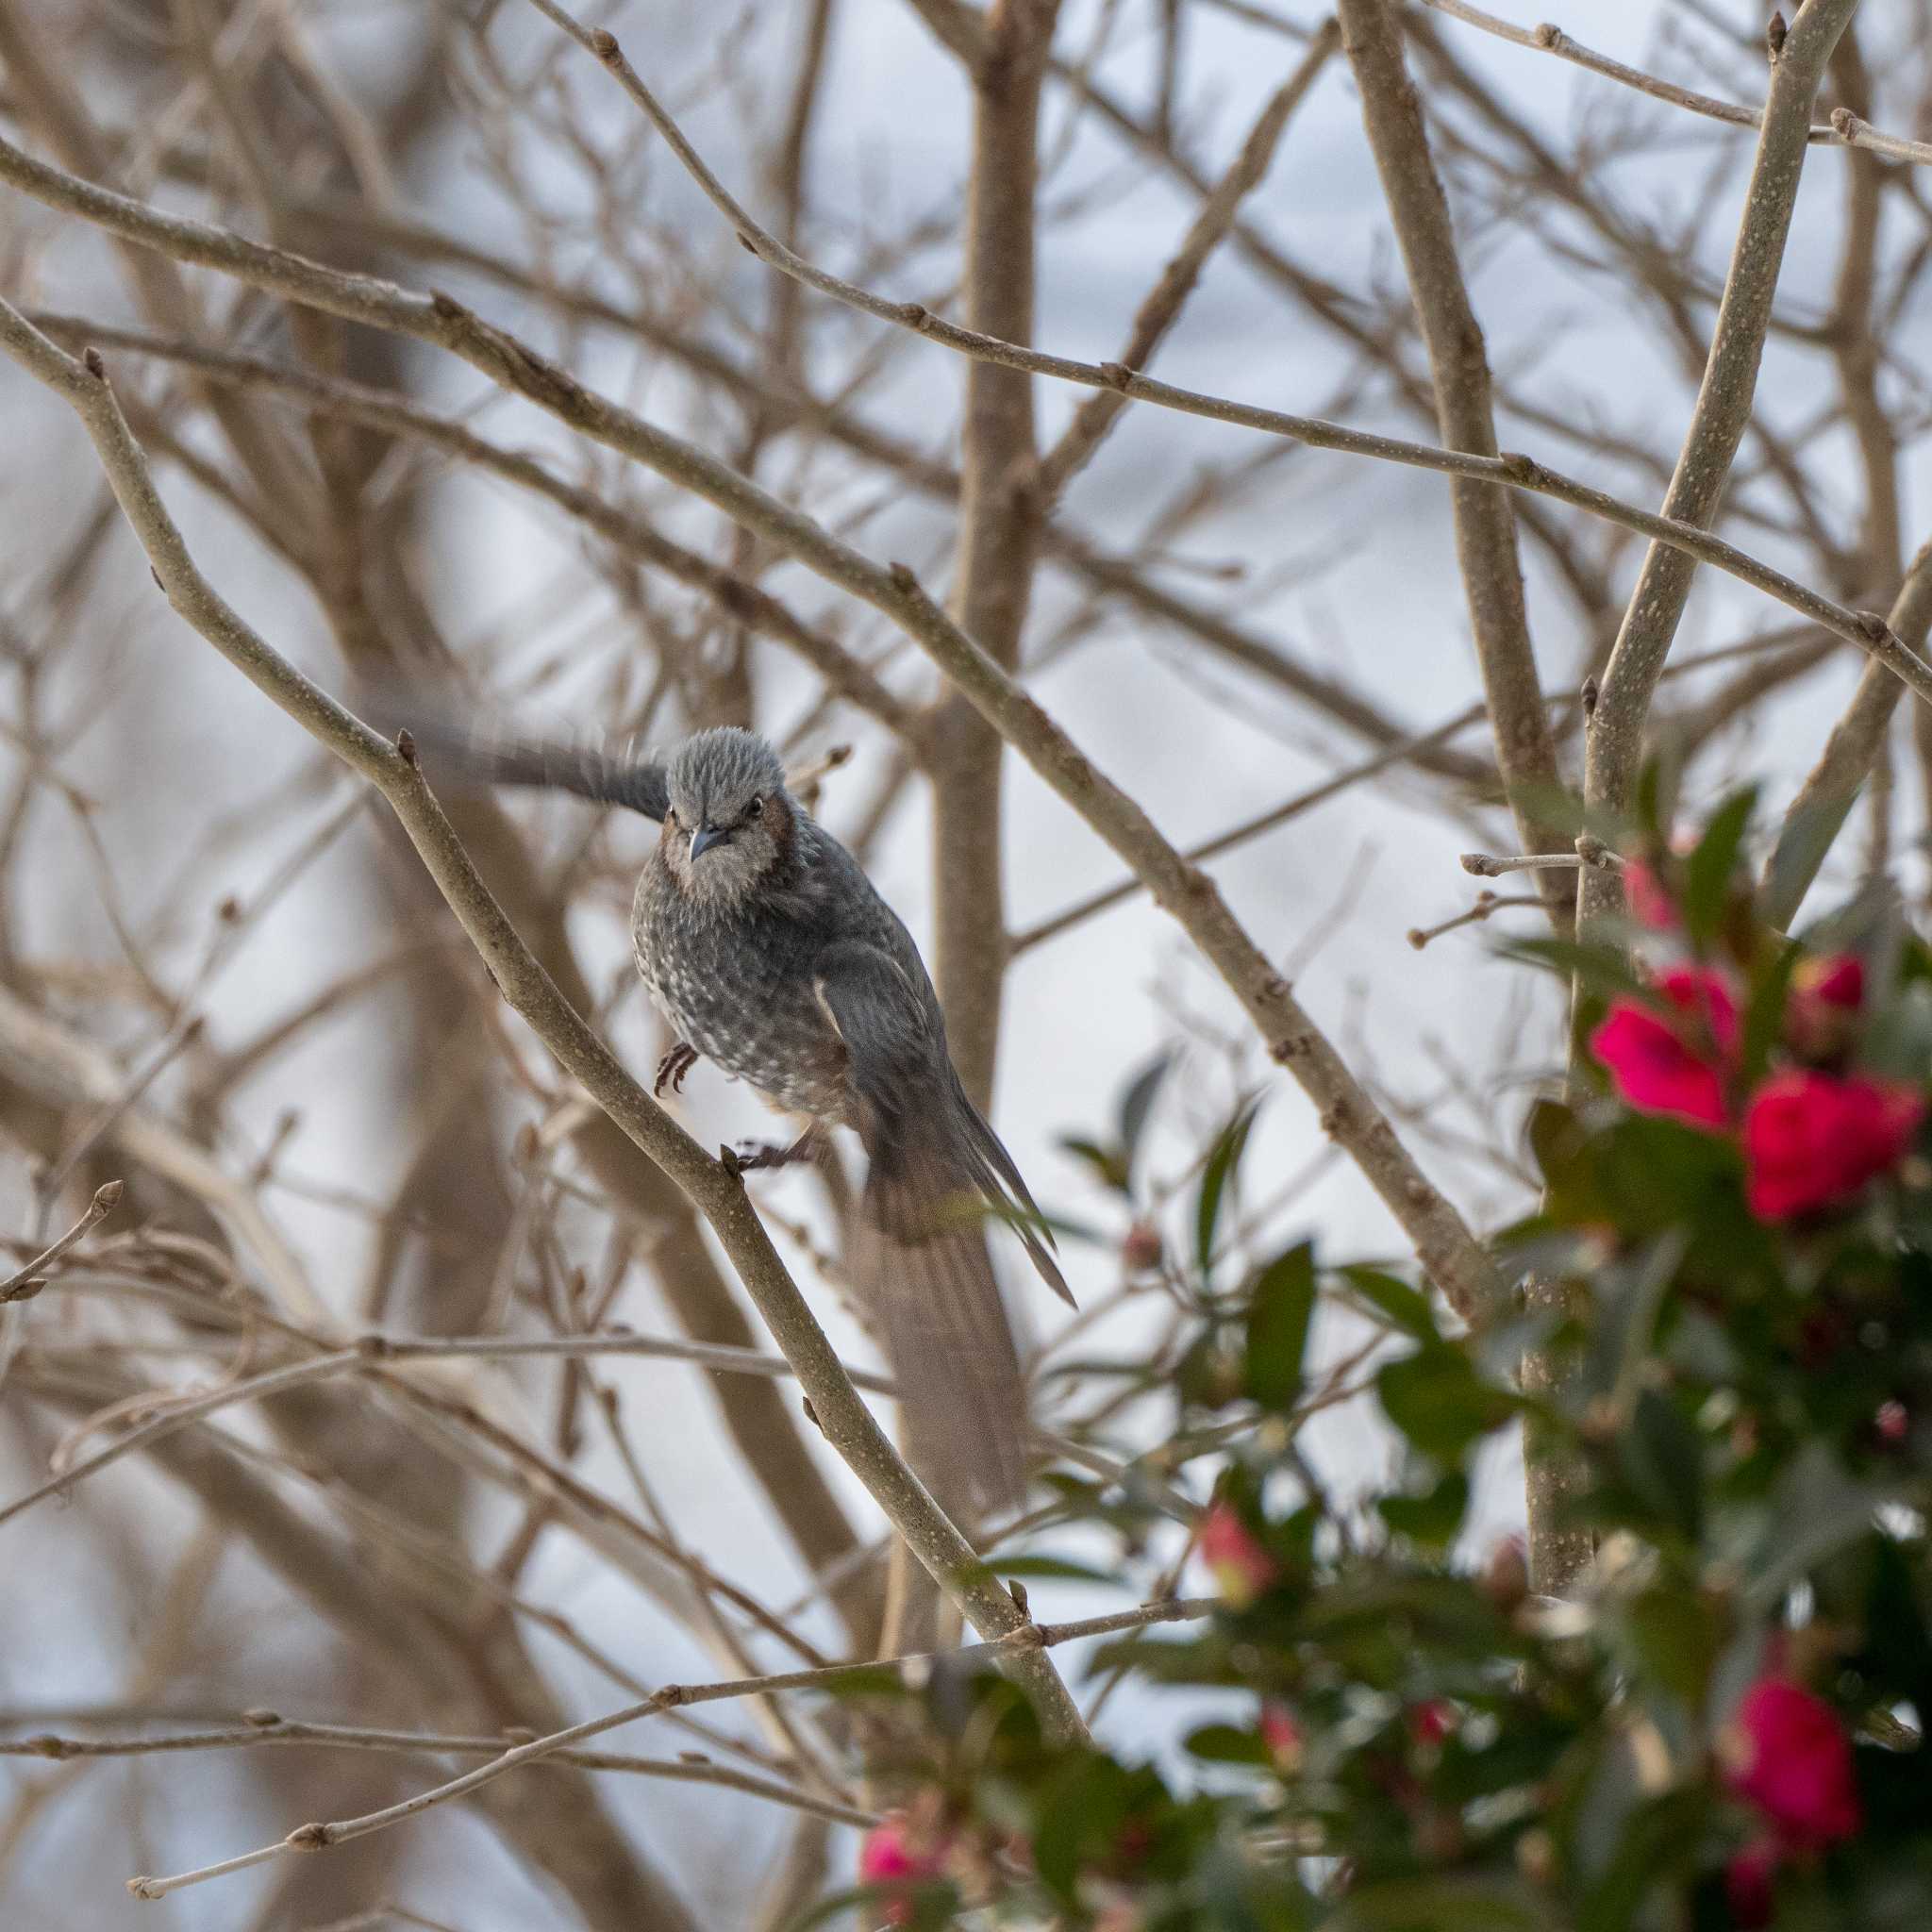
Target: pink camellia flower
{"points": [[1281, 1735], [1787, 1752], [1825, 994], [1650, 904], [1811, 1139], [1241, 1568], [894, 1858], [1747, 1885], [1675, 1068], [1894, 1421]]}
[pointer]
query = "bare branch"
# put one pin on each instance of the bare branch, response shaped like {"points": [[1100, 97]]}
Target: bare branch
{"points": [[1082, 438], [1485, 519], [529, 991], [1823, 802], [446, 323], [1720, 419], [107, 1197], [1029, 1640]]}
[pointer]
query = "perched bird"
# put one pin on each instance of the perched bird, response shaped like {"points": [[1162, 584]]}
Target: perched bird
{"points": [[771, 953]]}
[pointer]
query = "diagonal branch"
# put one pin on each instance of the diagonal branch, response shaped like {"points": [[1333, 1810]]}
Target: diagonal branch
{"points": [[1844, 128], [441, 319], [1029, 1640], [1615, 736], [1825, 801], [1719, 419], [1084, 435], [529, 991]]}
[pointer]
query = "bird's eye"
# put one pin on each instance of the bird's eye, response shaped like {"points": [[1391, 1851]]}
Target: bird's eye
{"points": [[755, 807]]}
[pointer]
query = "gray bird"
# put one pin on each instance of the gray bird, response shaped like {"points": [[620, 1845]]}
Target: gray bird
{"points": [[768, 950]]}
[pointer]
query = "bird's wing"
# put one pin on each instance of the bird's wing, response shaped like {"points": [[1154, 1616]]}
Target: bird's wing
{"points": [[914, 1117], [890, 1034], [481, 755], [637, 785]]}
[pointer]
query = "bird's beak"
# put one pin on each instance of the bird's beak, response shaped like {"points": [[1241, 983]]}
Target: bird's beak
{"points": [[704, 839]]}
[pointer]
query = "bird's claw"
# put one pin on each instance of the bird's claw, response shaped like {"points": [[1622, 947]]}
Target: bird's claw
{"points": [[748, 1156], [674, 1066], [728, 1160]]}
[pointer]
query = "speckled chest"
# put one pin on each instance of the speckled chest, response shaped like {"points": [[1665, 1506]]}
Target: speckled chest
{"points": [[741, 989]]}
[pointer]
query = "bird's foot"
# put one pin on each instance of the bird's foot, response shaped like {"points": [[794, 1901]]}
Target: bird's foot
{"points": [[749, 1157], [674, 1066]]}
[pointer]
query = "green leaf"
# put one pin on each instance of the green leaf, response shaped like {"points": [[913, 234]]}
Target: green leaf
{"points": [[1060, 1569], [1629, 1294], [1657, 793], [1432, 1519], [1566, 1155], [823, 1911], [1804, 839], [861, 1685], [1662, 1457], [1227, 1744], [1080, 1815], [1447, 1902], [1437, 1401], [1600, 968], [1107, 1162], [1224, 1164], [1765, 1015], [1137, 1104], [1677, 1638], [1278, 1316], [1708, 872], [1817, 1509], [1401, 1304]]}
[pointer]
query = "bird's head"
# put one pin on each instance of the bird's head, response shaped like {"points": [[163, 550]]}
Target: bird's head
{"points": [[730, 825]]}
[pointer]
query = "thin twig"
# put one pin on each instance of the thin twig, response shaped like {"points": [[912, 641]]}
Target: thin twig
{"points": [[107, 1198], [1486, 904], [266, 1727], [1027, 1639], [1485, 865], [531, 992], [179, 1415], [440, 319], [1845, 128]]}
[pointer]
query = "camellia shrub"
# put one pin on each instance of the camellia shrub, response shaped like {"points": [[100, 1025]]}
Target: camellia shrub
{"points": [[1722, 1725]]}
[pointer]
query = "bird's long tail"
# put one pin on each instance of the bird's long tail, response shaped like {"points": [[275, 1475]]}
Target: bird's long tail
{"points": [[918, 1257]]}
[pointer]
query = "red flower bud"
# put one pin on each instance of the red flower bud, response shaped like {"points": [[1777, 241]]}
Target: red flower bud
{"points": [[1281, 1735], [1140, 1248], [1894, 1421], [1430, 1723], [1787, 1752], [1747, 1885], [1673, 1066], [1241, 1568], [896, 1860], [1811, 1139], [1835, 980], [1826, 993]]}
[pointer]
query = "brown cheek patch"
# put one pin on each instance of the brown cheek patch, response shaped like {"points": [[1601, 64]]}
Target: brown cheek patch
{"points": [[777, 821]]}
